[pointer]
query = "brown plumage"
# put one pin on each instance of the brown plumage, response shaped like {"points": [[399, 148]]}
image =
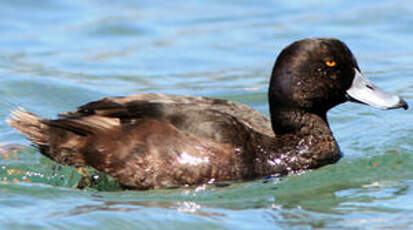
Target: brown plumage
{"points": [[156, 141]]}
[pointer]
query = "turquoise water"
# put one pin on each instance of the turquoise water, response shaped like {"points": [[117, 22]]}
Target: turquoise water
{"points": [[56, 55]]}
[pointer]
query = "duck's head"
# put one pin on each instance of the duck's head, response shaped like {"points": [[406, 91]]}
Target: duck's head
{"points": [[314, 75]]}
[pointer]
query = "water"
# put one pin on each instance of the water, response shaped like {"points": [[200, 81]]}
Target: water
{"points": [[56, 55]]}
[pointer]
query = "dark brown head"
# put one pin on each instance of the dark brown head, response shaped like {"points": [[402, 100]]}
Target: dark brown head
{"points": [[314, 75]]}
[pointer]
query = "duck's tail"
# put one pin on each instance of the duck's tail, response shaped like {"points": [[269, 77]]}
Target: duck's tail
{"points": [[60, 140], [30, 125]]}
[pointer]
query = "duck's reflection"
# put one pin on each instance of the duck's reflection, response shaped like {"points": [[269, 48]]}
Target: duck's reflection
{"points": [[189, 207]]}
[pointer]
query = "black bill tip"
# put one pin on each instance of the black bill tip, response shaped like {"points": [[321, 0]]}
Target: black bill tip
{"points": [[403, 104]]}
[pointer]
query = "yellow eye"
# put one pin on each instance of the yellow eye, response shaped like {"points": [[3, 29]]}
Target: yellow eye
{"points": [[330, 63]]}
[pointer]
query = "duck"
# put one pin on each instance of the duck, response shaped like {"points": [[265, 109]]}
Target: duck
{"points": [[154, 141]]}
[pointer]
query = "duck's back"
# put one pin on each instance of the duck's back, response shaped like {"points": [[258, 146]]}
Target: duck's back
{"points": [[175, 108], [152, 140]]}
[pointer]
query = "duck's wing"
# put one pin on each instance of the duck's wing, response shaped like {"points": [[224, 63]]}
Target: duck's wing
{"points": [[175, 108]]}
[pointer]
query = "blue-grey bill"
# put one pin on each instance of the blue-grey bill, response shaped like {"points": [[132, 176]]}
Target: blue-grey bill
{"points": [[363, 91]]}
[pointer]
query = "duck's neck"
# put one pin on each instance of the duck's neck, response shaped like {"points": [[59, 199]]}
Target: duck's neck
{"points": [[303, 141], [298, 122]]}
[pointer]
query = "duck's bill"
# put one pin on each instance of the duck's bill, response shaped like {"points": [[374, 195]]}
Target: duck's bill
{"points": [[362, 91]]}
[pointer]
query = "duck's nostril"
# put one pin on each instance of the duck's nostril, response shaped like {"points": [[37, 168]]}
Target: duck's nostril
{"points": [[370, 87]]}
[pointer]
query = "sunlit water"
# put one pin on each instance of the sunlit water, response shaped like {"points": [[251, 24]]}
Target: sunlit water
{"points": [[56, 55]]}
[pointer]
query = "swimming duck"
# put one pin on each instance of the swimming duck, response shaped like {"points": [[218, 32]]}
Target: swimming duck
{"points": [[150, 141]]}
